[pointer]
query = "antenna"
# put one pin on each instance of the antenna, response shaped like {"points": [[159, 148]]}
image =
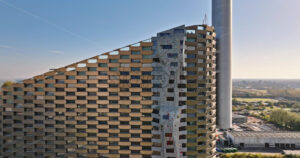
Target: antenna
{"points": [[205, 19]]}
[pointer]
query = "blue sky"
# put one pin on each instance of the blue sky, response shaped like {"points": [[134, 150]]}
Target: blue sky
{"points": [[38, 35]]}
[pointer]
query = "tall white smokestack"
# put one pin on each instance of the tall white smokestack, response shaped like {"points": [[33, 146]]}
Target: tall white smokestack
{"points": [[221, 20]]}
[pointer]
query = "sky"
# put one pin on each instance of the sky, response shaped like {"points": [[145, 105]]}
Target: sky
{"points": [[36, 36]]}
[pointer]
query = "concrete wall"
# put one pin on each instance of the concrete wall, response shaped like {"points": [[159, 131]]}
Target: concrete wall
{"points": [[221, 19], [163, 68]]}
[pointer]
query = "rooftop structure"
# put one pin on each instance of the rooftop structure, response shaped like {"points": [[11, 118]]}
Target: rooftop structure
{"points": [[254, 139], [277, 134]]}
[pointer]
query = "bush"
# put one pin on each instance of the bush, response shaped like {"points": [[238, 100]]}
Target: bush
{"points": [[248, 155]]}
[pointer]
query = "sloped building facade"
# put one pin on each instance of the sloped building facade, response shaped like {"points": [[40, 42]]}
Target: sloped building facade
{"points": [[154, 98]]}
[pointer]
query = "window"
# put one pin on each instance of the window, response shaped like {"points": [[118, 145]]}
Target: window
{"points": [[113, 102], [157, 77], [170, 150], [135, 69], [59, 81], [39, 81], [135, 52], [92, 77], [113, 85], [135, 86], [113, 69], [190, 31], [156, 60], [191, 40], [191, 148], [49, 85], [146, 90], [172, 55], [102, 65], [157, 85], [80, 73], [92, 69], [124, 57], [135, 110], [191, 73], [28, 85], [113, 60], [124, 106], [156, 94], [124, 65], [81, 89], [124, 89], [191, 64], [135, 60], [70, 77], [113, 110], [102, 81], [135, 77], [201, 44], [38, 89], [191, 56], [166, 46], [113, 77], [146, 81], [173, 64], [147, 56], [124, 81], [170, 98], [81, 81], [102, 73], [146, 73], [124, 73], [147, 48]]}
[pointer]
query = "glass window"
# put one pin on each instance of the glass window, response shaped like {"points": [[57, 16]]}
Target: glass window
{"points": [[102, 65], [135, 60], [172, 55], [135, 69], [191, 39], [166, 46], [113, 69], [124, 56], [135, 52], [92, 69], [113, 60], [70, 77], [147, 56], [173, 64], [147, 48], [80, 73]]}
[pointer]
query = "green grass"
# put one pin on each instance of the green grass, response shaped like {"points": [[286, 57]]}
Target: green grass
{"points": [[252, 91], [255, 100]]}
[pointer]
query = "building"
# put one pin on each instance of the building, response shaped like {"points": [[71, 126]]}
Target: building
{"points": [[253, 139], [238, 119], [154, 98]]}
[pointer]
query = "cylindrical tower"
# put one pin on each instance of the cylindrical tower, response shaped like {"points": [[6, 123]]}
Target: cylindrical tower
{"points": [[221, 20]]}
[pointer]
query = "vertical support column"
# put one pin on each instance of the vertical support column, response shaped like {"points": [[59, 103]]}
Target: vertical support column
{"points": [[221, 20]]}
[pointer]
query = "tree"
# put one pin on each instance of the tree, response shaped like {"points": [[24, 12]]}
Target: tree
{"points": [[7, 84], [285, 119]]}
